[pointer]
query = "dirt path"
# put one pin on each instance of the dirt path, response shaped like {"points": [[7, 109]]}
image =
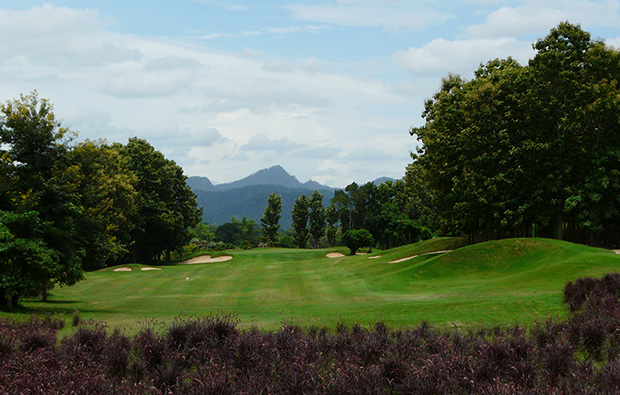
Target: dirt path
{"points": [[415, 256]]}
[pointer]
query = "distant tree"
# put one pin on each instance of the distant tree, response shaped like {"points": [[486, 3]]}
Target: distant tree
{"points": [[316, 218], [249, 232], [167, 206], [416, 196], [108, 199], [286, 239], [271, 219], [343, 207], [229, 233], [203, 232], [300, 215], [331, 219], [354, 239]]}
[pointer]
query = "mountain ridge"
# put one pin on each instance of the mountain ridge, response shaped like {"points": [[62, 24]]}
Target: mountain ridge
{"points": [[275, 175], [247, 197]]}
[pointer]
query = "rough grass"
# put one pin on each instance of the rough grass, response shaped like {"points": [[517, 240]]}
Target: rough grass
{"points": [[496, 283]]}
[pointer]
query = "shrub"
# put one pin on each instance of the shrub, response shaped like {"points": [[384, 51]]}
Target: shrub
{"points": [[355, 239], [209, 354]]}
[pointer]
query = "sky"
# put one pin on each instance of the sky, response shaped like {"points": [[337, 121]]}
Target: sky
{"points": [[327, 89]]}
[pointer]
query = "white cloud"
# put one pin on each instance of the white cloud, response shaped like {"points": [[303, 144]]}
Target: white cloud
{"points": [[148, 83], [261, 142], [279, 31], [60, 36], [614, 42], [368, 153], [321, 152], [220, 113], [224, 4], [390, 14], [536, 17], [440, 57]]}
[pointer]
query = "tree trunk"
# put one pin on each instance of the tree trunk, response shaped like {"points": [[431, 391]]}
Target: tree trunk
{"points": [[43, 293], [560, 229]]}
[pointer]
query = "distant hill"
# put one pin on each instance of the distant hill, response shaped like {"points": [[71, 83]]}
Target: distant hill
{"points": [[200, 184], [381, 180], [250, 202], [275, 175], [248, 197]]}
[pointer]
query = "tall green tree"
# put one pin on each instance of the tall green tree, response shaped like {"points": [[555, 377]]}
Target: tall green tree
{"points": [[38, 188], [108, 199], [299, 216], [316, 219], [331, 219], [270, 220], [27, 261], [166, 206], [528, 150]]}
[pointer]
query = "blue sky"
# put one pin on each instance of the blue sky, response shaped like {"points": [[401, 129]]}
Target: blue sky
{"points": [[327, 89]]}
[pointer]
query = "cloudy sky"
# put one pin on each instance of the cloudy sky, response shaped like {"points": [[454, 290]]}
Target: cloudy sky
{"points": [[327, 89]]}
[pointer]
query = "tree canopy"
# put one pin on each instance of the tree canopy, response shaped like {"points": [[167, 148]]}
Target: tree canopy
{"points": [[300, 216], [39, 190], [65, 208], [528, 150], [270, 220]]}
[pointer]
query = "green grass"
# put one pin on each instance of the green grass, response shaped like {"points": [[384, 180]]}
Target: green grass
{"points": [[501, 282]]}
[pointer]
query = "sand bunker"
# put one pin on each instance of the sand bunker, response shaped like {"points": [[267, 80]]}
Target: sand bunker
{"points": [[616, 251], [150, 268], [123, 269], [374, 257], [335, 255], [415, 256], [207, 259]]}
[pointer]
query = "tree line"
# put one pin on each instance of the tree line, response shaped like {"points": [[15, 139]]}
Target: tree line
{"points": [[534, 150], [390, 214], [67, 207]]}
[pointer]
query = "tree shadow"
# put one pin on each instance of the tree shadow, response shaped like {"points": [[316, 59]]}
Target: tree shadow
{"points": [[51, 307]]}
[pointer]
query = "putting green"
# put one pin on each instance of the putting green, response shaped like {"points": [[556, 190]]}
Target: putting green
{"points": [[501, 282]]}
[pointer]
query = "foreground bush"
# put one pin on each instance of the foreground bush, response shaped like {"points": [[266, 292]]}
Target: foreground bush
{"points": [[200, 355]]}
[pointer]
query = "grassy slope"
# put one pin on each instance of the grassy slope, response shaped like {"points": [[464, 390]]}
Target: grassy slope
{"points": [[502, 282]]}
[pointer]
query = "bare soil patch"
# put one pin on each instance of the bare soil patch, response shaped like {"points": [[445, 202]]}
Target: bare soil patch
{"points": [[206, 259]]}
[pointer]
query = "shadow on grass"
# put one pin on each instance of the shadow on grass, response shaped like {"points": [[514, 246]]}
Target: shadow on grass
{"points": [[50, 306]]}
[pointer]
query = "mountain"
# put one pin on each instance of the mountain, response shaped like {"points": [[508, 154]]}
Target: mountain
{"points": [[275, 175], [200, 183], [250, 202], [248, 197], [381, 180]]}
